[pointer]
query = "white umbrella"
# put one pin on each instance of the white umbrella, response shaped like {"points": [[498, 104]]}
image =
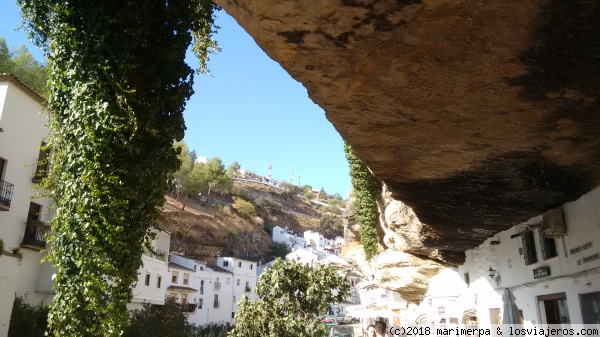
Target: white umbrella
{"points": [[510, 313]]}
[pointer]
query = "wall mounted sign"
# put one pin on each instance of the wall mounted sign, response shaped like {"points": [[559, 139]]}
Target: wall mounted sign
{"points": [[541, 272], [587, 259], [581, 248]]}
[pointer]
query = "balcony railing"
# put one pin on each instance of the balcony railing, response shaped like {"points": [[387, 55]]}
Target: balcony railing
{"points": [[35, 235], [157, 254], [217, 285], [6, 192], [248, 289], [188, 307]]}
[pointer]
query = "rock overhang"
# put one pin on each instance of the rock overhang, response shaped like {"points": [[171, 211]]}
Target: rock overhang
{"points": [[479, 115]]}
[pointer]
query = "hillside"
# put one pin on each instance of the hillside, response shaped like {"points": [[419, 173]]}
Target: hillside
{"points": [[210, 226]]}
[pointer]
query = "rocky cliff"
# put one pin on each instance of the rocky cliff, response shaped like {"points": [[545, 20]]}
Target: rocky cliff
{"points": [[476, 114]]}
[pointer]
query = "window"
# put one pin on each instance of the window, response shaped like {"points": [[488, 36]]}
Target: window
{"points": [[174, 276], [34, 212], [240, 264], [2, 166], [216, 304], [467, 279], [225, 263], [590, 308], [529, 253], [251, 266], [147, 280], [234, 299], [186, 279], [158, 281], [200, 302], [238, 282], [202, 287], [41, 170], [184, 299], [233, 314], [173, 296], [547, 245]]}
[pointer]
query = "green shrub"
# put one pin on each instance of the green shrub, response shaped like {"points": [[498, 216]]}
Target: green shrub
{"points": [[268, 228], [213, 330], [159, 321], [244, 208], [27, 320]]}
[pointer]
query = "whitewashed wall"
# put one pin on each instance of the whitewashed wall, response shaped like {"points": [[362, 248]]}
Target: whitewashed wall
{"points": [[23, 123]]}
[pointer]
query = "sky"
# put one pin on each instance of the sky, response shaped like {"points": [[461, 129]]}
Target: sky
{"points": [[248, 110]]}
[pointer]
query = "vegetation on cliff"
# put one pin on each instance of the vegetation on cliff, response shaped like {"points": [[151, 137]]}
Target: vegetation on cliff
{"points": [[366, 190]]}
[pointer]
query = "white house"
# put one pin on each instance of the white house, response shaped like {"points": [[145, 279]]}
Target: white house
{"points": [[22, 131], [294, 241], [205, 296], [315, 239], [220, 307], [182, 287], [244, 278], [551, 263], [154, 276]]}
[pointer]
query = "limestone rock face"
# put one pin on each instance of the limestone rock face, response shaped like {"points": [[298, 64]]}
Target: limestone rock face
{"points": [[403, 263], [476, 114]]}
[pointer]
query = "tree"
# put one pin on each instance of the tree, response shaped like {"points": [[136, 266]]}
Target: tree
{"points": [[234, 170], [217, 177], [21, 63], [187, 162], [291, 297], [279, 249], [117, 91], [193, 155], [166, 320], [331, 226], [207, 177]]}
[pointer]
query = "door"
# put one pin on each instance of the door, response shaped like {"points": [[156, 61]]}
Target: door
{"points": [[590, 308], [553, 309]]}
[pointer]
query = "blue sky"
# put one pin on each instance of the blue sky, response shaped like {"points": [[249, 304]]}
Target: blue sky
{"points": [[249, 110]]}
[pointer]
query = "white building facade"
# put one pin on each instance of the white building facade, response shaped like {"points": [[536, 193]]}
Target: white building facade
{"points": [[154, 275], [23, 218], [244, 273], [551, 263], [294, 241]]}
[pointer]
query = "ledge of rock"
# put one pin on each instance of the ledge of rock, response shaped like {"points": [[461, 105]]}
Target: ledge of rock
{"points": [[476, 114]]}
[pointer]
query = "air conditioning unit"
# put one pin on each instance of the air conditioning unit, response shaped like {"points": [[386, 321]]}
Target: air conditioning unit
{"points": [[553, 223]]}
